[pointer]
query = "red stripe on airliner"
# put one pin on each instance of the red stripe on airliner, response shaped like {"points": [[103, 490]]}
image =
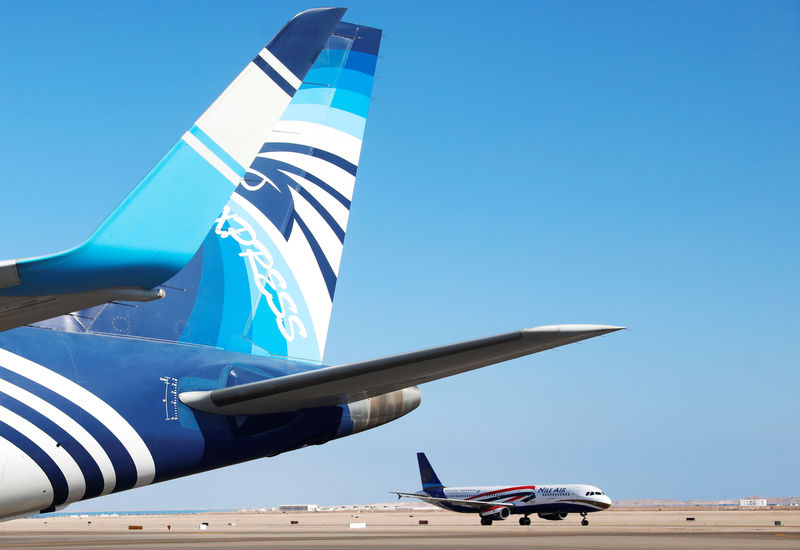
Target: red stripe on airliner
{"points": [[503, 491]]}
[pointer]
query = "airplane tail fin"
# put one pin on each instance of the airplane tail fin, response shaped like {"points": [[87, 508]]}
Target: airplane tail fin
{"points": [[430, 481], [263, 280], [282, 233], [160, 225]]}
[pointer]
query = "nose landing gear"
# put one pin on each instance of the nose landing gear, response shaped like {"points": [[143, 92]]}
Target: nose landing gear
{"points": [[584, 521]]}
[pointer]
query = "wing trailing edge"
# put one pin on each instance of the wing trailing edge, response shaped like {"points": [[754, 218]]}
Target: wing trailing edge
{"points": [[357, 381]]}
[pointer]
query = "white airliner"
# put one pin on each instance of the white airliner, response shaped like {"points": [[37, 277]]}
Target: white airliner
{"points": [[552, 502]]}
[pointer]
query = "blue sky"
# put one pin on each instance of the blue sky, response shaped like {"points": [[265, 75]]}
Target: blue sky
{"points": [[524, 164]]}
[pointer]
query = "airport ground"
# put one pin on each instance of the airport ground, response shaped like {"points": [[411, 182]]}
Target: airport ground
{"points": [[619, 529]]}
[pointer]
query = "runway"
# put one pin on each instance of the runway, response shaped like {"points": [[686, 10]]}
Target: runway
{"points": [[607, 530]]}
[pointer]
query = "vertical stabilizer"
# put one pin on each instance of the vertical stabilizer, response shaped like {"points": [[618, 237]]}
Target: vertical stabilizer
{"points": [[296, 198], [157, 229], [430, 481], [264, 279]]}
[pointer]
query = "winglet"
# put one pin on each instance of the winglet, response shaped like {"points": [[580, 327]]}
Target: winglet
{"points": [[568, 334], [589, 330]]}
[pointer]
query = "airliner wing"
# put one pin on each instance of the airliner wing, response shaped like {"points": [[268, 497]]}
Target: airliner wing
{"points": [[356, 381], [159, 227], [477, 504]]}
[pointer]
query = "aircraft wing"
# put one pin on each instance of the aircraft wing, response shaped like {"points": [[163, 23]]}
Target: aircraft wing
{"points": [[477, 504], [356, 381]]}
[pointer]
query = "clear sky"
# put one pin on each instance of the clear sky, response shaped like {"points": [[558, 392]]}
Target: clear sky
{"points": [[525, 163]]}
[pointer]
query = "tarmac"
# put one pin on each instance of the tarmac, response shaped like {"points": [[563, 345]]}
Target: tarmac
{"points": [[618, 529]]}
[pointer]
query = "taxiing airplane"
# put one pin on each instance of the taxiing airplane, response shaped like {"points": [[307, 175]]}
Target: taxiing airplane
{"points": [[552, 502], [187, 333]]}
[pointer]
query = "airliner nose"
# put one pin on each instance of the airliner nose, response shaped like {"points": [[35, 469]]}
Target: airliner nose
{"points": [[604, 501]]}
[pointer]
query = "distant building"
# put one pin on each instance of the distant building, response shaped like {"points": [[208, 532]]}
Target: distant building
{"points": [[752, 502], [297, 508]]}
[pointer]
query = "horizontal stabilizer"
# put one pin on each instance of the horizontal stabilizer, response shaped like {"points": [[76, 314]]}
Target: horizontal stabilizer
{"points": [[16, 311], [353, 382]]}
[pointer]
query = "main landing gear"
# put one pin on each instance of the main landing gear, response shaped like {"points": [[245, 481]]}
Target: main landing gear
{"points": [[525, 520], [584, 521], [486, 521]]}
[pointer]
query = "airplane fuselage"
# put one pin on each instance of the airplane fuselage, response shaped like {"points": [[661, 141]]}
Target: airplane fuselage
{"points": [[530, 499], [187, 332], [84, 415]]}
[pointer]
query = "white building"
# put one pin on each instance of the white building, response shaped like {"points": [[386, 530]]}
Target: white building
{"points": [[752, 502], [297, 508]]}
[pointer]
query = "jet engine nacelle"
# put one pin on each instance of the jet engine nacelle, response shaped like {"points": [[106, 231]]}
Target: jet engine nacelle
{"points": [[497, 512], [553, 516], [369, 413]]}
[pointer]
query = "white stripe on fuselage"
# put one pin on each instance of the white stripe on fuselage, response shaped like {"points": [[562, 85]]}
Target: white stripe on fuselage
{"points": [[89, 402], [76, 483], [68, 425], [26, 488]]}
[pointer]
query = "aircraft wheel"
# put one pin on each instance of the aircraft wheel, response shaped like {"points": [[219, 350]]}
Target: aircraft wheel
{"points": [[486, 521], [525, 520], [584, 522]]}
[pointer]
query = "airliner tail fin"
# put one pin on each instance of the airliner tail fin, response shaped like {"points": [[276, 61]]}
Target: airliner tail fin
{"points": [[159, 227], [263, 281], [430, 481]]}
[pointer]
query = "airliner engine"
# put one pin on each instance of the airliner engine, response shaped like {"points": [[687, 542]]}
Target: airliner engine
{"points": [[372, 412], [495, 513], [553, 516]]}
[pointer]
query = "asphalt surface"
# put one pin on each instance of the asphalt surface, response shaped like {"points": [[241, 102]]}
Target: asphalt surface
{"points": [[618, 530]]}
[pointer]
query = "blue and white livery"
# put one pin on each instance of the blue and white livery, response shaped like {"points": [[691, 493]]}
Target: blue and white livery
{"points": [[188, 332], [551, 502]]}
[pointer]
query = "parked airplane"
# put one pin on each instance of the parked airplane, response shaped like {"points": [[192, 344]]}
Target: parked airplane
{"points": [[187, 332], [552, 502]]}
